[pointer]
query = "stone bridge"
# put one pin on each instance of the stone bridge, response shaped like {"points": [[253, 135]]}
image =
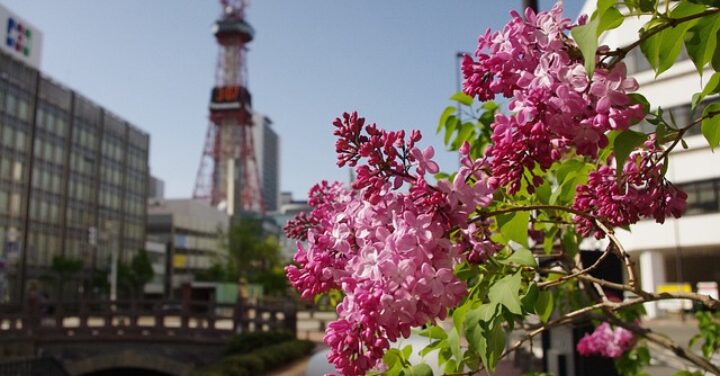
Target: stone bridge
{"points": [[145, 337]]}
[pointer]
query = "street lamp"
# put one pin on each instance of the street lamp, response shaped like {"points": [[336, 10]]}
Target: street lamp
{"points": [[109, 237]]}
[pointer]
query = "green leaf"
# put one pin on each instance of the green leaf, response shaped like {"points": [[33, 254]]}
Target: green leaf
{"points": [[715, 61], [462, 98], [431, 347], [712, 87], [392, 357], [458, 316], [636, 98], [421, 369], [606, 17], [544, 305], [406, 352], [523, 257], [433, 332], [611, 19], [625, 143], [712, 3], [711, 125], [453, 340], [451, 125], [530, 298], [549, 242], [496, 345], [506, 291], [569, 243], [586, 38], [449, 110], [543, 192], [514, 226], [465, 134], [647, 5], [663, 48], [701, 41]]}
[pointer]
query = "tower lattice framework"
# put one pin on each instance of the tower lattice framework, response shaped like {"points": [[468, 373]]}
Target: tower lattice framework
{"points": [[228, 171]]}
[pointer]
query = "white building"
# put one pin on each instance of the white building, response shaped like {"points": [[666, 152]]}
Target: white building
{"points": [[192, 230], [687, 249]]}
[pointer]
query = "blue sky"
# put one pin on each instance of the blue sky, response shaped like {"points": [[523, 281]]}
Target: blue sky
{"points": [[153, 63]]}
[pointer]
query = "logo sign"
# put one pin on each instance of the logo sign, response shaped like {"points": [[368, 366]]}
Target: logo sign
{"points": [[19, 38]]}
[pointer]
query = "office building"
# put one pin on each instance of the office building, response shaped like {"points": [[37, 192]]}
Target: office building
{"points": [[267, 153], [73, 175], [287, 210]]}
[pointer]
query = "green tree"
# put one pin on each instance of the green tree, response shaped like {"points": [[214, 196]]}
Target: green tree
{"points": [[63, 269], [134, 276], [254, 255]]}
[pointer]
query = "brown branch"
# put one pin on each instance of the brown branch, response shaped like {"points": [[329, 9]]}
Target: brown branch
{"points": [[566, 277], [683, 130], [514, 209], [621, 252]]}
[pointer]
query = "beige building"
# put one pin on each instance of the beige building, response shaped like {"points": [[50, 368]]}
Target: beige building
{"points": [[191, 230]]}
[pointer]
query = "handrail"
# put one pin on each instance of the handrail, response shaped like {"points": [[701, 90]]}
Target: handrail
{"points": [[142, 319]]}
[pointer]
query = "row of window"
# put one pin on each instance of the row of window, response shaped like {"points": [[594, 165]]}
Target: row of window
{"points": [[82, 163], [11, 169], [703, 196], [49, 180], [16, 106], [51, 122], [50, 151], [13, 138], [10, 203], [85, 136], [113, 148], [47, 211]]}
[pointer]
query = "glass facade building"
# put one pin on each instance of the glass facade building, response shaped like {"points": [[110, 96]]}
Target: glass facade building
{"points": [[73, 178]]}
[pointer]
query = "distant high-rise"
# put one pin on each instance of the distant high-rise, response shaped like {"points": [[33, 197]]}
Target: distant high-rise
{"points": [[267, 153], [156, 190]]}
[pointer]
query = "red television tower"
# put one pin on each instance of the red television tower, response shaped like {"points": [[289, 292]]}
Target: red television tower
{"points": [[228, 173]]}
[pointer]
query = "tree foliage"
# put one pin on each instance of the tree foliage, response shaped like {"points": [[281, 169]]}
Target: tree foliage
{"points": [[133, 276]]}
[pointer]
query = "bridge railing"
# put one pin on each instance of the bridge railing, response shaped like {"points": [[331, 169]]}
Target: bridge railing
{"points": [[137, 319]]}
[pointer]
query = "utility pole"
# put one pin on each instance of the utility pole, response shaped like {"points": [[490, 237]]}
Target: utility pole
{"points": [[532, 4]]}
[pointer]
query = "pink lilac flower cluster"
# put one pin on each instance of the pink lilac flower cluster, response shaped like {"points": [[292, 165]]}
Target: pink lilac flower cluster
{"points": [[555, 106], [640, 191], [387, 247], [320, 266], [606, 341]]}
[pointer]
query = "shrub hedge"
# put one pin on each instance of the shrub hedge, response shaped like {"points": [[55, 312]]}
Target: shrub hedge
{"points": [[247, 342], [261, 360]]}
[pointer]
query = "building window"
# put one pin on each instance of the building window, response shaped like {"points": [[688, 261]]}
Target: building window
{"points": [[702, 197], [15, 204]]}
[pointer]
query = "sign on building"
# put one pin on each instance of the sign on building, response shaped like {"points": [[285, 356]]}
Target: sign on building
{"points": [[20, 39]]}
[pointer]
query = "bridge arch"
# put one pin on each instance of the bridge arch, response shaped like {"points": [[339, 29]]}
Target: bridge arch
{"points": [[102, 364]]}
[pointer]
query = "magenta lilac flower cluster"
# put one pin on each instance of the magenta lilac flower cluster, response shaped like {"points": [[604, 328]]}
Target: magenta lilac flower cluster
{"points": [[534, 63], [639, 191], [606, 341], [384, 246]]}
